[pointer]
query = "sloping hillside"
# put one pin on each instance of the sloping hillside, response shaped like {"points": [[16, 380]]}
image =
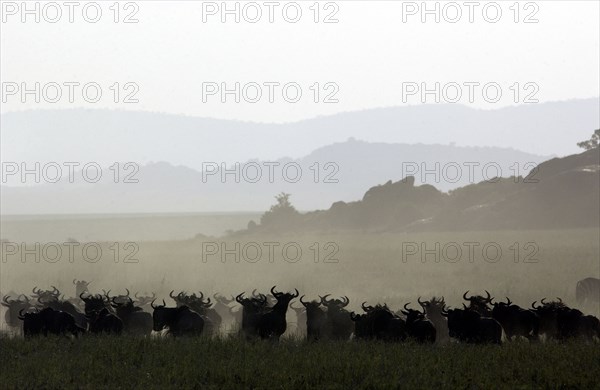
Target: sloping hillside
{"points": [[560, 193]]}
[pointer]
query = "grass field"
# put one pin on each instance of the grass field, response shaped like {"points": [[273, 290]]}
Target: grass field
{"points": [[365, 266], [130, 363]]}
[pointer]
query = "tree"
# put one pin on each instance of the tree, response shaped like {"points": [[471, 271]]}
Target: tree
{"points": [[592, 143], [280, 214]]}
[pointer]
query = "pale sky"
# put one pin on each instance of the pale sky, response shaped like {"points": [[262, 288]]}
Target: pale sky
{"points": [[368, 55]]}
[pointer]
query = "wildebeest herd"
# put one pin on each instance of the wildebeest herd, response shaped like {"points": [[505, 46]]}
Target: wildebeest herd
{"points": [[482, 319]]}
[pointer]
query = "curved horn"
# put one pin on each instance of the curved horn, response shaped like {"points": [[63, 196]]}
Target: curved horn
{"points": [[297, 293], [171, 295], [465, 296], [136, 295], [542, 301], [489, 296], [465, 307], [346, 301], [55, 289], [254, 293], [21, 317], [405, 306], [324, 300], [508, 302], [36, 292], [273, 291], [421, 303], [366, 308], [239, 297], [126, 289], [305, 304], [559, 300]]}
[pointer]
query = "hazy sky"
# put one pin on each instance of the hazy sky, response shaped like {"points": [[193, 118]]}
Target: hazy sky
{"points": [[368, 54]]}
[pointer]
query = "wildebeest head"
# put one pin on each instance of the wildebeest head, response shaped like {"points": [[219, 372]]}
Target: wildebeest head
{"points": [[223, 300], [143, 300], [298, 310], [283, 299], [124, 308], [335, 304], [81, 286], [94, 303], [434, 307], [257, 303], [311, 306], [32, 322], [479, 303], [193, 301], [413, 315], [14, 306], [369, 308], [46, 295], [162, 316]]}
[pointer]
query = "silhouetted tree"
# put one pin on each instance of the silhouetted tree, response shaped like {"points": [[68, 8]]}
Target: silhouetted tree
{"points": [[592, 143], [280, 214]]}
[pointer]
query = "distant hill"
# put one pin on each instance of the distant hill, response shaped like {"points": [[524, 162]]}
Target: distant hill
{"points": [[562, 193], [106, 136], [344, 170]]}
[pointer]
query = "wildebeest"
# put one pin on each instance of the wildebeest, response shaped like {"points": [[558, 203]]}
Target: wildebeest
{"points": [[315, 319], [13, 307], [99, 314], [94, 303], [572, 323], [339, 324], [378, 323], [180, 321], [212, 319], [516, 321], [222, 308], [469, 326], [38, 293], [104, 321], [143, 301], [547, 313], [252, 310], [50, 321], [81, 287], [301, 318], [273, 324], [66, 306], [587, 292], [135, 320], [417, 326], [479, 303], [433, 311]]}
